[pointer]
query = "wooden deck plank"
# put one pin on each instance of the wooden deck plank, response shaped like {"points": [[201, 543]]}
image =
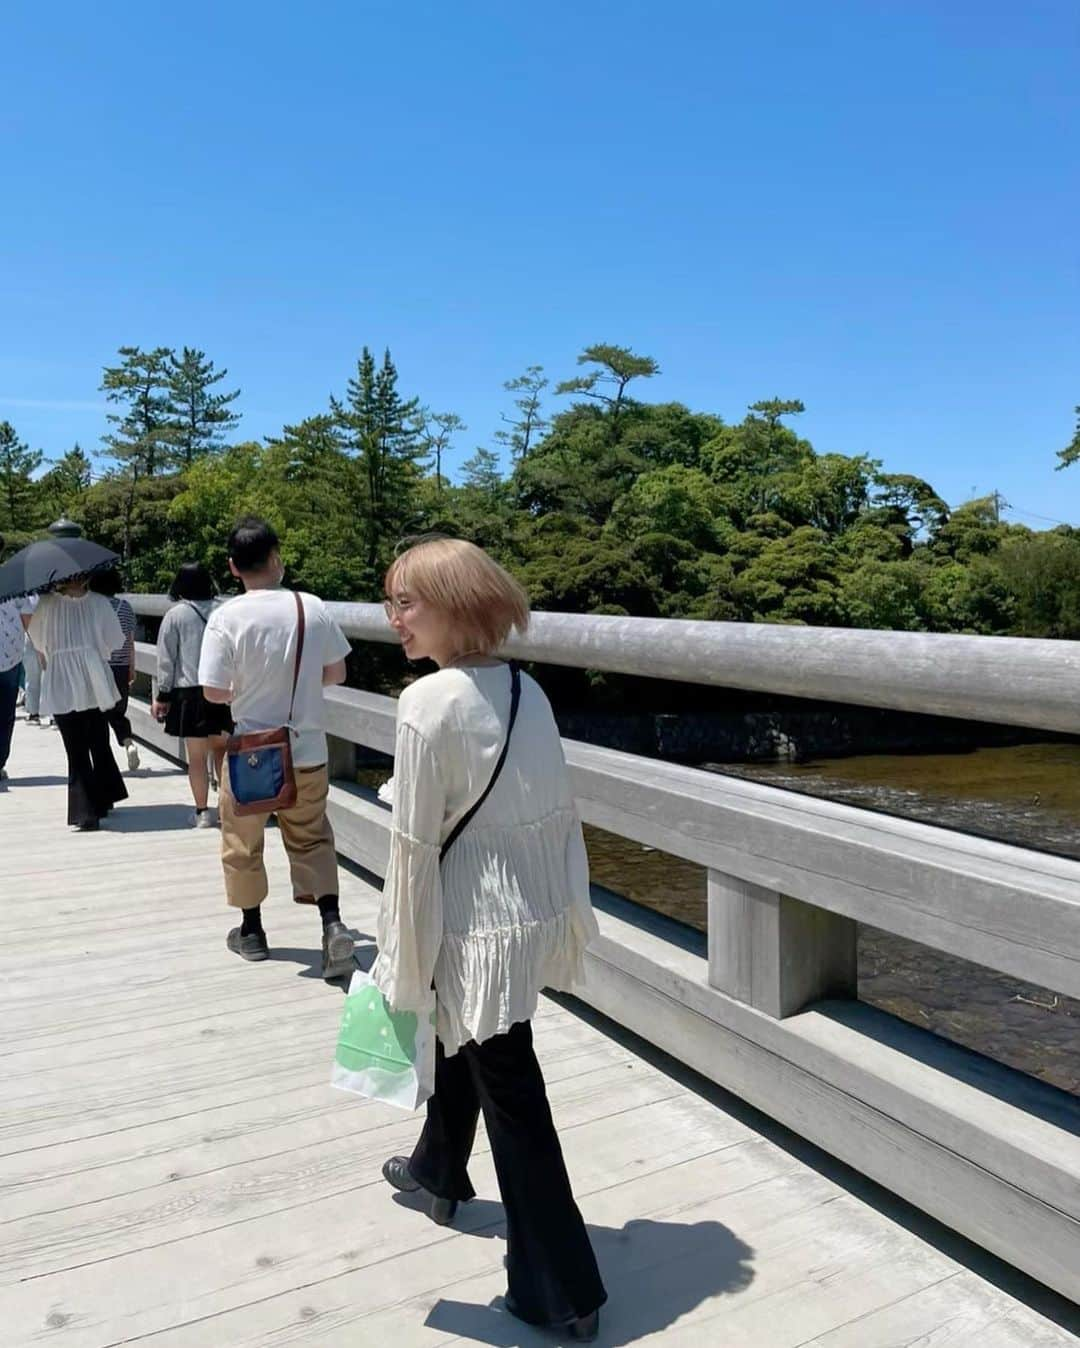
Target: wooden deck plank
{"points": [[175, 1169]]}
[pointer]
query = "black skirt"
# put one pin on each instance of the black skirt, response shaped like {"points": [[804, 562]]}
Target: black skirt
{"points": [[191, 717]]}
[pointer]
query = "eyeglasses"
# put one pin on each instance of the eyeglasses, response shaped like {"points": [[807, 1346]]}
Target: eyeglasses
{"points": [[397, 606]]}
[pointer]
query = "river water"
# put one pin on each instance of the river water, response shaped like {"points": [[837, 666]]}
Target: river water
{"points": [[1028, 795]]}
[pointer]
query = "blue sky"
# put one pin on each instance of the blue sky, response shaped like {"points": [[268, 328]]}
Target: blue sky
{"points": [[871, 206]]}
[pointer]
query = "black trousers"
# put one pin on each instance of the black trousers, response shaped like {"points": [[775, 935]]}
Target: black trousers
{"points": [[117, 716], [94, 781], [550, 1264]]}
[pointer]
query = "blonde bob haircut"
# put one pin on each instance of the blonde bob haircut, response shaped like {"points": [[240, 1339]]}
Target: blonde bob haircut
{"points": [[482, 600]]}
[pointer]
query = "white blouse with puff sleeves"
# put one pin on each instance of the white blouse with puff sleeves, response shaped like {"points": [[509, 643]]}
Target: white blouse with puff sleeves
{"points": [[508, 913], [76, 634]]}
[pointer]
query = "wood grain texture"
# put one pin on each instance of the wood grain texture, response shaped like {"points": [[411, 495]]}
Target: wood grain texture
{"points": [[175, 1169]]}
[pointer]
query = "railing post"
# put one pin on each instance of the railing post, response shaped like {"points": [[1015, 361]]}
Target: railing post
{"points": [[776, 953], [341, 759]]}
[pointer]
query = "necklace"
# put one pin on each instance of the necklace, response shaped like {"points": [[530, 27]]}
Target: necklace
{"points": [[457, 659]]}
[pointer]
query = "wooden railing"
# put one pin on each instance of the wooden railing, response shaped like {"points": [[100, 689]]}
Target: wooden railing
{"points": [[766, 1006]]}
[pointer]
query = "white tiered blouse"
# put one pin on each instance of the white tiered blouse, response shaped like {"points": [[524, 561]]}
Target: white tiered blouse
{"points": [[76, 634], [509, 914]]}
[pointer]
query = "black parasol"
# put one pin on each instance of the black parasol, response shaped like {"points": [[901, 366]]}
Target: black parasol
{"points": [[42, 566]]}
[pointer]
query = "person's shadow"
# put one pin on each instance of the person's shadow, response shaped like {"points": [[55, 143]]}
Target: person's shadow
{"points": [[133, 818], [655, 1272]]}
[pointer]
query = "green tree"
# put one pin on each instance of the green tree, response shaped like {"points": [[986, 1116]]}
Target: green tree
{"points": [[663, 434], [972, 530], [971, 597], [826, 491], [201, 415], [681, 502], [1042, 573], [526, 423], [884, 594], [909, 505], [1071, 452], [793, 579], [748, 459], [18, 491], [434, 433], [132, 517], [578, 467], [617, 366], [481, 473], [145, 433], [378, 431], [64, 485]]}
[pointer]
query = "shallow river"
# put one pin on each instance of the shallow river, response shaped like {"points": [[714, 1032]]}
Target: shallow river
{"points": [[1028, 795]]}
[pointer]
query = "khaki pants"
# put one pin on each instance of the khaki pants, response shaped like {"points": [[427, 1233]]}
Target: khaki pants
{"points": [[305, 830]]}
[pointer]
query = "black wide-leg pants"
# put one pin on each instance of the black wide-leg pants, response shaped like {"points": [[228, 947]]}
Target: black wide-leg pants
{"points": [[551, 1268], [94, 781]]}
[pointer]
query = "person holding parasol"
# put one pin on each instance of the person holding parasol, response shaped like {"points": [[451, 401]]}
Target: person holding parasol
{"points": [[75, 631]]}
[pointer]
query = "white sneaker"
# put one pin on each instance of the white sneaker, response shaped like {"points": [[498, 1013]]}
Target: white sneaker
{"points": [[132, 755], [203, 819]]}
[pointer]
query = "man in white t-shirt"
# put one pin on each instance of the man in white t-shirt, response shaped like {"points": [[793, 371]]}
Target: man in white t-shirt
{"points": [[247, 659]]}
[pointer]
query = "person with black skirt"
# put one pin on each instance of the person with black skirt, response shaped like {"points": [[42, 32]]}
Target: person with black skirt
{"points": [[486, 899], [76, 632], [122, 661], [178, 699]]}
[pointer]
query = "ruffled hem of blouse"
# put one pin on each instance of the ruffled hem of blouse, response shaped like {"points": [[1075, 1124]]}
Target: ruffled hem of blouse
{"points": [[485, 985], [77, 681]]}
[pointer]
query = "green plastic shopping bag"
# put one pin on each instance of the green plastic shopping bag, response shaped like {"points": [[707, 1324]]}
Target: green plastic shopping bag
{"points": [[384, 1054]]}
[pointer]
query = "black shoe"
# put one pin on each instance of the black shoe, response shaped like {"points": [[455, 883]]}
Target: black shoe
{"points": [[582, 1329], [91, 826], [396, 1172], [33, 720], [337, 951], [250, 947]]}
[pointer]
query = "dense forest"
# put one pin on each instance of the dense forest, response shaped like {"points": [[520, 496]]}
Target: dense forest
{"points": [[599, 500]]}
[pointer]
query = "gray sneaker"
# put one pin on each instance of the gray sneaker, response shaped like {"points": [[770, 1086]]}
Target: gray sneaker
{"points": [[251, 947], [132, 755], [203, 819]]}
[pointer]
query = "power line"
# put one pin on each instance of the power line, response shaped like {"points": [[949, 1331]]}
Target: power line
{"points": [[1046, 519]]}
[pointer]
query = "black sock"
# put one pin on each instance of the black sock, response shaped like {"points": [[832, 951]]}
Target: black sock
{"points": [[251, 922], [329, 910]]}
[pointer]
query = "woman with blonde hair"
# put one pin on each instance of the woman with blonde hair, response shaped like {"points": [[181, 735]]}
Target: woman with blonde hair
{"points": [[488, 905]]}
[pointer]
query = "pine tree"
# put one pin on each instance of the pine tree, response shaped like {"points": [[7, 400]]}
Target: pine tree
{"points": [[18, 464], [378, 429], [1071, 453], [63, 485], [146, 432], [618, 365], [201, 415], [434, 432], [481, 472], [528, 422]]}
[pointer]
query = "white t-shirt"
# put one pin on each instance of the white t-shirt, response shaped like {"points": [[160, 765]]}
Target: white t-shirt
{"points": [[250, 647]]}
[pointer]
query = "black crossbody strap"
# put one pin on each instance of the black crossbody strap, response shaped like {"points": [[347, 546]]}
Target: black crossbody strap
{"points": [[196, 611], [515, 698]]}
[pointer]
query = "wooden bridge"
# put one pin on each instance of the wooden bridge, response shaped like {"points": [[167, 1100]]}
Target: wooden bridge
{"points": [[175, 1169]]}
